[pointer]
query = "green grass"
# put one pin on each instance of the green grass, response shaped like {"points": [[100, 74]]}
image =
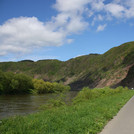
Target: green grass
{"points": [[86, 117]]}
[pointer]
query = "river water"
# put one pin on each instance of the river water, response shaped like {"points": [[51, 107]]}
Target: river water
{"points": [[11, 105]]}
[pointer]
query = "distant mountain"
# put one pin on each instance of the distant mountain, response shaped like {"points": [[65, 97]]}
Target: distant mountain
{"points": [[113, 68]]}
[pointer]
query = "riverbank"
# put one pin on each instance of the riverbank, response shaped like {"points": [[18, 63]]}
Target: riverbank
{"points": [[11, 105], [87, 116]]}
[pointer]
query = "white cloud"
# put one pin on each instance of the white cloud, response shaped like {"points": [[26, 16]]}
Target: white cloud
{"points": [[70, 41], [76, 25], [97, 5], [70, 5], [101, 27], [23, 34], [89, 12], [70, 17], [130, 8], [115, 9], [98, 17]]}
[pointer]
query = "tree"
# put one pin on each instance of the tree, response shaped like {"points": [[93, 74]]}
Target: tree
{"points": [[22, 83], [2, 80], [7, 83]]}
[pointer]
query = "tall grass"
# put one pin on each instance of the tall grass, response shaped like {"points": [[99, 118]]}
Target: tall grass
{"points": [[87, 116], [89, 94]]}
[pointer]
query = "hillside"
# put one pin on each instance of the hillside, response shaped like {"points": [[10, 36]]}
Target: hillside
{"points": [[115, 67]]}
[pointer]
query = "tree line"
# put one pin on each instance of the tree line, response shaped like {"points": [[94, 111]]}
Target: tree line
{"points": [[11, 83]]}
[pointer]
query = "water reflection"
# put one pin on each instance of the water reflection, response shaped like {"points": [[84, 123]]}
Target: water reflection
{"points": [[24, 104]]}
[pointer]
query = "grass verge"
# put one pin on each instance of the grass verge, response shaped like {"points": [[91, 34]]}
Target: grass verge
{"points": [[84, 117]]}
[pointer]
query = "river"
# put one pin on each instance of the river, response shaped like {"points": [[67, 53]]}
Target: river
{"points": [[11, 105]]}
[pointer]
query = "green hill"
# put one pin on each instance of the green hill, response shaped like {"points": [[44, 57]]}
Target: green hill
{"points": [[93, 70]]}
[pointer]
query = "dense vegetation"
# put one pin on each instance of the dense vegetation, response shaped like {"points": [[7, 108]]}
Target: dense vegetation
{"points": [[46, 87], [88, 70], [11, 83], [88, 114]]}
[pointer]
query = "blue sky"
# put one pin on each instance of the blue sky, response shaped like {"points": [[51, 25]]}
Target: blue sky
{"points": [[63, 29]]}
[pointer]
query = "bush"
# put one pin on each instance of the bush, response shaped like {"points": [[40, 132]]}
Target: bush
{"points": [[2, 82], [121, 89], [52, 104], [42, 87], [57, 87], [1, 88], [21, 83], [11, 83], [88, 94], [46, 87]]}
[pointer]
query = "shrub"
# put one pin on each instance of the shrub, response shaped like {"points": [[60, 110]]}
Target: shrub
{"points": [[22, 83], [41, 86], [52, 104], [120, 89], [15, 83], [2, 81], [1, 88], [88, 94], [46, 87], [57, 87]]}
